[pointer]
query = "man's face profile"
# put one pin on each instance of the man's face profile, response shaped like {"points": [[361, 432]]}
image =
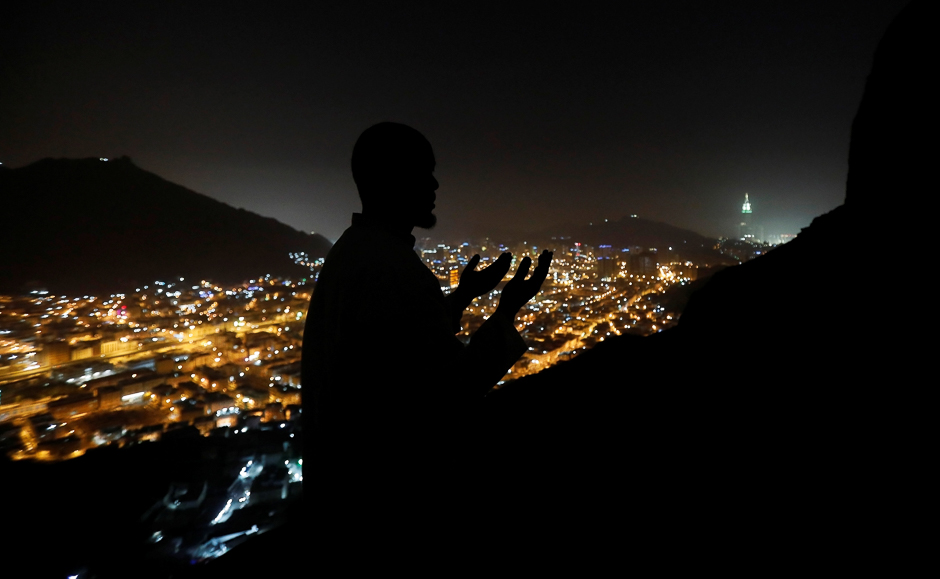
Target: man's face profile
{"points": [[393, 166], [417, 192]]}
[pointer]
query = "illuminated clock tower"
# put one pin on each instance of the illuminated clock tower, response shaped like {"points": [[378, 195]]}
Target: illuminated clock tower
{"points": [[746, 230]]}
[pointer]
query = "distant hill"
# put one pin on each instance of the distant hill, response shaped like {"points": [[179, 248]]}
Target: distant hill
{"points": [[84, 226], [634, 231], [628, 232]]}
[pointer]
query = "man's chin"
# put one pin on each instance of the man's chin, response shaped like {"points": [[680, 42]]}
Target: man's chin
{"points": [[427, 221]]}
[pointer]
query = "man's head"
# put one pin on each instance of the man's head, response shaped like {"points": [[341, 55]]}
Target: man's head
{"points": [[393, 166]]}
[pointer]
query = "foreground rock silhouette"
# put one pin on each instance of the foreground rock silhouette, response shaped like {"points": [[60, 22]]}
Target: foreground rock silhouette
{"points": [[784, 413]]}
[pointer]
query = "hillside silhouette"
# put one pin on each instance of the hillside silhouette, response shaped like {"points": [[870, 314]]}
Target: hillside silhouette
{"points": [[637, 231], [784, 417], [626, 232], [85, 226]]}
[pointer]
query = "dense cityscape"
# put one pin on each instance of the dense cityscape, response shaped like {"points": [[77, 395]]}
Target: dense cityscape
{"points": [[176, 359], [81, 372]]}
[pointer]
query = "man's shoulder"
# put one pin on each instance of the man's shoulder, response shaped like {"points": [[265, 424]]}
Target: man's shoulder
{"points": [[364, 243], [352, 245], [363, 253], [351, 238]]}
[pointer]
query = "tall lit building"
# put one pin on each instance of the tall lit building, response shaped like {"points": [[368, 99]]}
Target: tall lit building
{"points": [[607, 266], [746, 228]]}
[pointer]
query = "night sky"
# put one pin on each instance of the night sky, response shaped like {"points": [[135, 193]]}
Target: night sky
{"points": [[671, 110]]}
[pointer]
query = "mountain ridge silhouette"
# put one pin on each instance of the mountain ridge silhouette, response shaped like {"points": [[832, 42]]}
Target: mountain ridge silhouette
{"points": [[93, 227], [627, 231]]}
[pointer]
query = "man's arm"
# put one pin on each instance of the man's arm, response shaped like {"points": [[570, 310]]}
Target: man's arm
{"points": [[422, 347], [496, 345], [456, 302]]}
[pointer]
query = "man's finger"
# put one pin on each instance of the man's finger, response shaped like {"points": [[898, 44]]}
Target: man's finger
{"points": [[473, 263], [541, 270], [502, 265], [523, 269], [545, 260]]}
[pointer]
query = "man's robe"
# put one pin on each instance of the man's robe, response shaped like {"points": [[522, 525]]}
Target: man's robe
{"points": [[388, 386]]}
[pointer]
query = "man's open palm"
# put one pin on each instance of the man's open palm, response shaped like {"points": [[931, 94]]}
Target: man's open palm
{"points": [[476, 283], [520, 290]]}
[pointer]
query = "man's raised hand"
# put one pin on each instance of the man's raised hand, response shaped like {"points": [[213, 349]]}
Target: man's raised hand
{"points": [[520, 290], [475, 283]]}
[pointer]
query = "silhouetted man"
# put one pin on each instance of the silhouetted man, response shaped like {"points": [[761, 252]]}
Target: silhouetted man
{"points": [[388, 383]]}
